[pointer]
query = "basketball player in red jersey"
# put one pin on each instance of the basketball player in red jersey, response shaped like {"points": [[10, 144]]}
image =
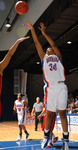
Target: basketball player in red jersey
{"points": [[56, 90], [5, 62]]}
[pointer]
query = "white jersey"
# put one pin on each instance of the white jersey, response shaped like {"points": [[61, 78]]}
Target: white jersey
{"points": [[19, 106], [53, 70], [21, 114], [55, 91]]}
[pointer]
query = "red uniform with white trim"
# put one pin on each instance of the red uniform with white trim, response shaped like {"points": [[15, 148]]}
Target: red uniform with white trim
{"points": [[55, 90], [0, 92], [53, 119], [21, 114]]}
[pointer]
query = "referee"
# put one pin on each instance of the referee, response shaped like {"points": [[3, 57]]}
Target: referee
{"points": [[37, 108]]}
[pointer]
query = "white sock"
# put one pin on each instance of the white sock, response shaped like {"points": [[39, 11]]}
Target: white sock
{"points": [[65, 133], [50, 141], [46, 131], [53, 136]]}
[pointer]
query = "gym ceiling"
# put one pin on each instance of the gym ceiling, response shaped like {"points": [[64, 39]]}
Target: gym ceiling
{"points": [[61, 21]]}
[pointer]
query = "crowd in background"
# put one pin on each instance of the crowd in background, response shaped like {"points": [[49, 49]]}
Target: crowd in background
{"points": [[72, 104], [72, 108]]}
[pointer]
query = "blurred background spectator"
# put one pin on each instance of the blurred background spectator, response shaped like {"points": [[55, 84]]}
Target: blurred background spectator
{"points": [[72, 105]]}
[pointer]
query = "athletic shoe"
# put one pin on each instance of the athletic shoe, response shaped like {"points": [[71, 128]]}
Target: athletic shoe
{"points": [[55, 139], [49, 145], [65, 144], [35, 129], [19, 138], [27, 135], [45, 142]]}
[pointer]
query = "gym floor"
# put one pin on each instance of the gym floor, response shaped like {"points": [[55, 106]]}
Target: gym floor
{"points": [[9, 133]]}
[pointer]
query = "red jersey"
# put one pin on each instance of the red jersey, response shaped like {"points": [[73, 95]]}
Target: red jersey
{"points": [[0, 91], [53, 118]]}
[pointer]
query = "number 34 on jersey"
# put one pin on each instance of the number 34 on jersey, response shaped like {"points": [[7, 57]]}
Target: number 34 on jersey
{"points": [[52, 67]]}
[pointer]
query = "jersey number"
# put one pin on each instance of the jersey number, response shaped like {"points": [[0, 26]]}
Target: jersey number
{"points": [[52, 67], [19, 109]]}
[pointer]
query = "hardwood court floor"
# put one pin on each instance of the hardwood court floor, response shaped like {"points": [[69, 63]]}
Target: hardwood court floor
{"points": [[9, 132]]}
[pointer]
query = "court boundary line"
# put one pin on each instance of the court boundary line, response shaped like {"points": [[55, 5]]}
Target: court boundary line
{"points": [[20, 146]]}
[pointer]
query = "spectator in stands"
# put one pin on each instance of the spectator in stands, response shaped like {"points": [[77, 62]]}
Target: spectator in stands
{"points": [[72, 103], [70, 110], [76, 105], [73, 106], [76, 102]]}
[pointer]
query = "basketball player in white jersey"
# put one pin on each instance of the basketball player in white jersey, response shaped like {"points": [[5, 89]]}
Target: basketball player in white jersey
{"points": [[55, 88], [21, 106]]}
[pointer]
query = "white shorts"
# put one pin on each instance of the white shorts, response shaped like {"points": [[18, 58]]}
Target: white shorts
{"points": [[21, 118], [56, 97]]}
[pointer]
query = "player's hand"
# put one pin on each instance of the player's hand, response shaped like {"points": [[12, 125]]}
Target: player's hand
{"points": [[23, 108], [14, 108], [42, 27], [28, 24], [32, 114], [39, 117]]}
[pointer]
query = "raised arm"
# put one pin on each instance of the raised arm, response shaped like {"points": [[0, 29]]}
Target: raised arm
{"points": [[51, 42], [36, 41], [6, 60]]}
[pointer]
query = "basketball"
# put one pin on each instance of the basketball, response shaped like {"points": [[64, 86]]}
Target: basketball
{"points": [[21, 7]]}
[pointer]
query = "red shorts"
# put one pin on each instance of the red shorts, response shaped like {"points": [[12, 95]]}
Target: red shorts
{"points": [[52, 124]]}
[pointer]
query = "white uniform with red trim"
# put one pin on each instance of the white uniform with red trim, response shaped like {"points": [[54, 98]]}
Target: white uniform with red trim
{"points": [[55, 90], [21, 114]]}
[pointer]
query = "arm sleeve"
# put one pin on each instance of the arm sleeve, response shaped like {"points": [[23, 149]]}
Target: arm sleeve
{"points": [[34, 105], [42, 104]]}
